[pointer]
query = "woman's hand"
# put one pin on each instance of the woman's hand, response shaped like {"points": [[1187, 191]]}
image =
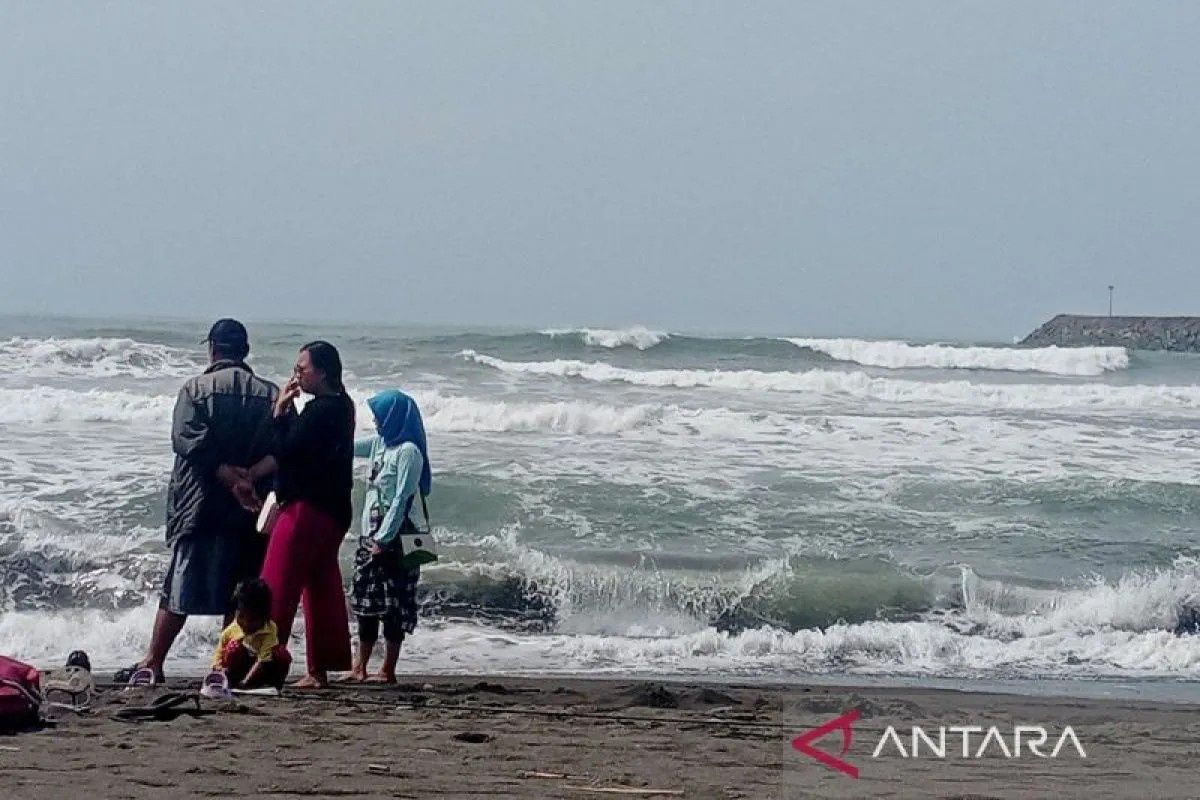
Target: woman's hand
{"points": [[284, 404], [376, 550]]}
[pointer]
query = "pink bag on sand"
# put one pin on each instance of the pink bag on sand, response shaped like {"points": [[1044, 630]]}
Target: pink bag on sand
{"points": [[20, 692]]}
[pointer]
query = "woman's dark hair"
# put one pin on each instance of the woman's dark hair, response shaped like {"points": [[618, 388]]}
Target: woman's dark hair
{"points": [[325, 357], [253, 596]]}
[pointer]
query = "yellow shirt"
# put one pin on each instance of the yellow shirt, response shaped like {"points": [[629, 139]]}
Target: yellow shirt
{"points": [[261, 643]]}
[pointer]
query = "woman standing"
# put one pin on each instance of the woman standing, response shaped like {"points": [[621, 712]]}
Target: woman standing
{"points": [[384, 590], [314, 451]]}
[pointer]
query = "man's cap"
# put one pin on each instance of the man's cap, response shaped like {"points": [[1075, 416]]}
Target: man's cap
{"points": [[228, 333]]}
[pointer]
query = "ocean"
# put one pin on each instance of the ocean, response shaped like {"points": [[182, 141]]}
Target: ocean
{"points": [[649, 502]]}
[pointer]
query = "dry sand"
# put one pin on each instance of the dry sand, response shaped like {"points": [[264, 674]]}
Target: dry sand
{"points": [[550, 737]]}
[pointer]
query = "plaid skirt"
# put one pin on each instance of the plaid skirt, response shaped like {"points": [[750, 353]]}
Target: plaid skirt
{"points": [[383, 587]]}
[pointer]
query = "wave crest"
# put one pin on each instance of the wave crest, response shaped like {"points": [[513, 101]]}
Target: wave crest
{"points": [[1031, 397], [870, 622], [47, 405], [465, 414], [469, 414], [1074, 361], [637, 336], [101, 357]]}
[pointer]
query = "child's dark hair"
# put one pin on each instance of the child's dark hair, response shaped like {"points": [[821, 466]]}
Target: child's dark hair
{"points": [[253, 596]]}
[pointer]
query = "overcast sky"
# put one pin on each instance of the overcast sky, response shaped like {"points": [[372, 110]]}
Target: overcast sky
{"points": [[892, 168]]}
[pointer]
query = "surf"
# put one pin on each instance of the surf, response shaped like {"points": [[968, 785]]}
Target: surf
{"points": [[858, 385], [1069, 361]]}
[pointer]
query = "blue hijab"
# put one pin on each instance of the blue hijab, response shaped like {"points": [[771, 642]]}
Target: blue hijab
{"points": [[399, 420]]}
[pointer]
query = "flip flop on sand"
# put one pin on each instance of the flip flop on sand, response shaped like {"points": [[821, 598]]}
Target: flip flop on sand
{"points": [[164, 708], [215, 686], [145, 676]]}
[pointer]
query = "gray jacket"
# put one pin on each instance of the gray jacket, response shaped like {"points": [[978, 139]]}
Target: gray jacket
{"points": [[221, 417]]}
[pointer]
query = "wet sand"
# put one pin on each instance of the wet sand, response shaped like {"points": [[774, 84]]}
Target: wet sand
{"points": [[565, 738]]}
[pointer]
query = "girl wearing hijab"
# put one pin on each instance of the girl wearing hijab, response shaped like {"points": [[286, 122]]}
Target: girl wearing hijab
{"points": [[384, 591]]}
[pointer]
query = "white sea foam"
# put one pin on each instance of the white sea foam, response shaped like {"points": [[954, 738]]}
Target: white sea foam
{"points": [[110, 637], [870, 648], [45, 404], [963, 445], [97, 357], [888, 648], [445, 413], [834, 384], [635, 336], [470, 414], [465, 414], [1140, 600], [595, 598], [1079, 361], [1111, 629], [92, 533]]}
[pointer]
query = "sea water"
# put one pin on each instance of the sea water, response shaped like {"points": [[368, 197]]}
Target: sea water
{"points": [[641, 501]]}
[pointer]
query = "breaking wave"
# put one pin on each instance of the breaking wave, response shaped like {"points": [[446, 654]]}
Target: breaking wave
{"points": [[772, 616], [865, 387], [1076, 361], [701, 527], [447, 413], [765, 619], [636, 336], [468, 414], [48, 404], [100, 357]]}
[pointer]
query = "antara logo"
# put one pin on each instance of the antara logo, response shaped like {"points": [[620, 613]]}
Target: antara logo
{"points": [[971, 741], [844, 723]]}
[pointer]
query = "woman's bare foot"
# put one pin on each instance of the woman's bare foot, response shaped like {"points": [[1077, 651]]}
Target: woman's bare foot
{"points": [[312, 682], [357, 675], [382, 677]]}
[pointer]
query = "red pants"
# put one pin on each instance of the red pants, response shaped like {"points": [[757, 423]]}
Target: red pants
{"points": [[236, 660], [302, 564]]}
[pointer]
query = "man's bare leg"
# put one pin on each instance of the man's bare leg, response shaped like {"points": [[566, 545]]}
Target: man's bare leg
{"points": [[167, 626]]}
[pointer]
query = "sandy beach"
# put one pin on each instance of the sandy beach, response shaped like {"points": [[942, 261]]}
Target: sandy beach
{"points": [[547, 737]]}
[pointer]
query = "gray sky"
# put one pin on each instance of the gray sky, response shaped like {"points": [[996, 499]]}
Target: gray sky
{"points": [[890, 168]]}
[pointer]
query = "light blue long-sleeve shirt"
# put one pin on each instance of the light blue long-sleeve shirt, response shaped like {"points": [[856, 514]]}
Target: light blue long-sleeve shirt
{"points": [[395, 479]]}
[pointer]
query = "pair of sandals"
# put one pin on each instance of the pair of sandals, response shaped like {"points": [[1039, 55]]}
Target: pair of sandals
{"points": [[165, 708], [171, 705], [138, 676], [215, 686], [70, 688]]}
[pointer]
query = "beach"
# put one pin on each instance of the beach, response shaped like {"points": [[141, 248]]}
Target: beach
{"points": [[637, 501], [683, 400], [577, 738], [764, 531]]}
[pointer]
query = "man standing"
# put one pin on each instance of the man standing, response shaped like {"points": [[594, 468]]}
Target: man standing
{"points": [[222, 426]]}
